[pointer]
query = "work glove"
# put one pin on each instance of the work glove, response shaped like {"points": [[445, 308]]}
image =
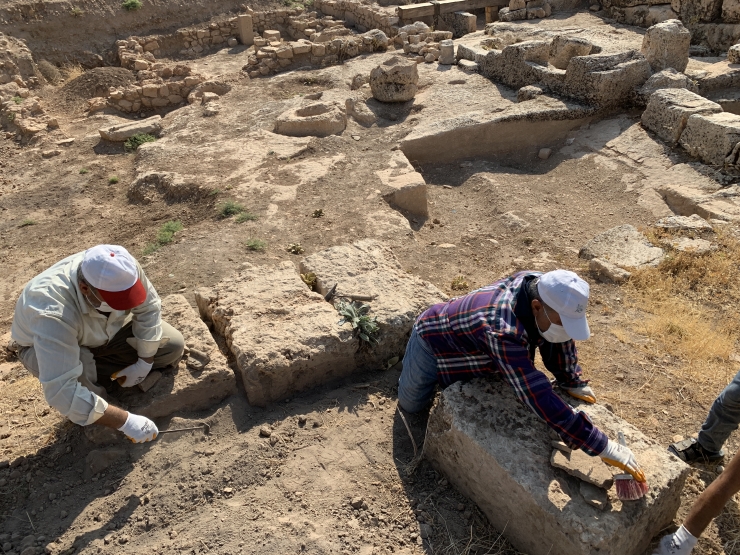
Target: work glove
{"points": [[139, 429], [134, 374], [622, 457], [582, 392], [681, 542]]}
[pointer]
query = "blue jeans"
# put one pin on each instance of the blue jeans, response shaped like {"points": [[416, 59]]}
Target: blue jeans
{"points": [[419, 375], [723, 417]]}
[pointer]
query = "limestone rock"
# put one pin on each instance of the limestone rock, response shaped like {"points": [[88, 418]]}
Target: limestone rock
{"points": [[733, 54], [565, 47], [685, 223], [589, 469], [404, 187], [697, 246], [731, 11], [395, 80], [181, 388], [496, 452], [668, 112], [360, 112], [369, 268], [666, 79], [530, 92], [623, 246], [511, 220], [320, 119], [720, 205], [607, 272], [447, 52], [594, 496], [711, 137], [667, 45], [123, 131], [468, 66]]}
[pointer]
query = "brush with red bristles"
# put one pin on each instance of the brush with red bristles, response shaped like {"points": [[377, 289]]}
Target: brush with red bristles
{"points": [[629, 489]]}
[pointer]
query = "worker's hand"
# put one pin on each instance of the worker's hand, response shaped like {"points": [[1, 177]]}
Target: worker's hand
{"points": [[681, 542], [582, 392], [134, 374], [139, 429], [622, 457]]}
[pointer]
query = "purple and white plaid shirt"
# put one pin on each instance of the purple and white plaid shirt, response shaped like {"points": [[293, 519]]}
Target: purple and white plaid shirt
{"points": [[484, 332]]}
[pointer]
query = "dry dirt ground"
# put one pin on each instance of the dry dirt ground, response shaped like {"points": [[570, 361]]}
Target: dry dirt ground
{"points": [[334, 475]]}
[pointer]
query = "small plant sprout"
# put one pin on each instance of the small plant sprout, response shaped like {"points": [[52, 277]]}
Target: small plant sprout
{"points": [[230, 208], [17, 99], [459, 284], [83, 171], [27, 222], [131, 5], [309, 279], [245, 217], [76, 12], [295, 248], [318, 213], [133, 143], [257, 245], [365, 327], [164, 236], [113, 179]]}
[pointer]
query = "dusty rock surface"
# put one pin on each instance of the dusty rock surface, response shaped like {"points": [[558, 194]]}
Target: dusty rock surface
{"points": [[623, 246], [395, 80], [587, 469]]}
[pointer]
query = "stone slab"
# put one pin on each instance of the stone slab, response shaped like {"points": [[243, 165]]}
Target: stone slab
{"points": [[403, 187], [685, 223], [711, 137], [370, 268], [284, 337], [496, 452], [123, 131], [623, 246], [686, 200], [184, 389], [588, 469], [668, 112], [607, 272]]}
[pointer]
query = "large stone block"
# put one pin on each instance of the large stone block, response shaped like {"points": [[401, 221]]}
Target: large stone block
{"points": [[565, 47], [369, 268], [668, 112], [395, 80], [320, 119], [666, 79], [123, 131], [460, 23], [731, 11], [404, 187], [624, 246], [667, 45], [246, 29], [497, 452], [189, 387], [712, 137]]}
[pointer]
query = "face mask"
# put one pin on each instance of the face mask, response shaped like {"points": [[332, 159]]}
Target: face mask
{"points": [[104, 307], [555, 333]]}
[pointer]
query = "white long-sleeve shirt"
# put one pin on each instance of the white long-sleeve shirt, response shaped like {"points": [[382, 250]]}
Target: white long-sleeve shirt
{"points": [[53, 316]]}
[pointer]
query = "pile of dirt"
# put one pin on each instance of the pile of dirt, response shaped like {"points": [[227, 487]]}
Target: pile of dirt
{"points": [[95, 82]]}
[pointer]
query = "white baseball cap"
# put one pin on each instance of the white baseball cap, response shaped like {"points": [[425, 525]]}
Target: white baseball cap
{"points": [[567, 294], [114, 273]]}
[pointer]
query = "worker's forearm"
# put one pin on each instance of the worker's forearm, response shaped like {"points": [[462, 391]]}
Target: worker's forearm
{"points": [[710, 503], [113, 417]]}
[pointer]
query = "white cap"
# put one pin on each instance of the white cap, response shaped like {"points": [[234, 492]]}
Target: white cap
{"points": [[567, 294], [115, 274]]}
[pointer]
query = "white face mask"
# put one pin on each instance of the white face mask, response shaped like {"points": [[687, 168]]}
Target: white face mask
{"points": [[555, 333], [104, 307]]}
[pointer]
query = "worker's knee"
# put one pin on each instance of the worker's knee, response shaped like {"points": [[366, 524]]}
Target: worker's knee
{"points": [[170, 353]]}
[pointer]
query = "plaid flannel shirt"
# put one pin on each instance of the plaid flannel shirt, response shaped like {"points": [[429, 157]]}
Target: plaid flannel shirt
{"points": [[489, 331]]}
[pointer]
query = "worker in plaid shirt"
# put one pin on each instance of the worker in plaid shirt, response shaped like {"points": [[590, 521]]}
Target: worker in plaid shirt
{"points": [[497, 329]]}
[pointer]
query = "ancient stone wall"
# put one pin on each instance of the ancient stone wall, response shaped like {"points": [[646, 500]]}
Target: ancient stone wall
{"points": [[361, 16]]}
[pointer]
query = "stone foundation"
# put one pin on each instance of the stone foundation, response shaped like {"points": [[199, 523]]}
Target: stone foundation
{"points": [[495, 451]]}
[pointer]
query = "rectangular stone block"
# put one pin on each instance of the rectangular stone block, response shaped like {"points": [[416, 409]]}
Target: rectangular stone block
{"points": [[123, 131], [369, 268], [731, 11], [284, 337], [497, 452], [189, 387], [246, 30], [404, 187], [668, 112], [711, 137]]}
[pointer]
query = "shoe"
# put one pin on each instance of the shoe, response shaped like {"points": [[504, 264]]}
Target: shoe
{"points": [[689, 451]]}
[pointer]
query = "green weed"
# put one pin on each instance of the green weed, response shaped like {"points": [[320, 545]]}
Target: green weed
{"points": [[137, 140], [131, 5], [83, 171], [245, 217], [17, 99], [365, 327], [26, 223], [295, 248], [113, 179], [164, 236], [255, 245], [230, 208]]}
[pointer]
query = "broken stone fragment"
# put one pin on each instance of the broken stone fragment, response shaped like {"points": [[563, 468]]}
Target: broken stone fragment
{"points": [[697, 246], [668, 112], [395, 80], [594, 496], [685, 223], [151, 379], [584, 467], [123, 131], [623, 246], [667, 45], [607, 272]]}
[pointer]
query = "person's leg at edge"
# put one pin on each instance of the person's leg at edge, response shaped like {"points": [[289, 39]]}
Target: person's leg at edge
{"points": [[723, 418], [418, 377]]}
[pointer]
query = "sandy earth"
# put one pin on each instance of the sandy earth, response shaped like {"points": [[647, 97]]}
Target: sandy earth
{"points": [[235, 491]]}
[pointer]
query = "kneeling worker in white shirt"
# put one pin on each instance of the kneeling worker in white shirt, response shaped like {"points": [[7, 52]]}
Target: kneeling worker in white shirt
{"points": [[91, 317]]}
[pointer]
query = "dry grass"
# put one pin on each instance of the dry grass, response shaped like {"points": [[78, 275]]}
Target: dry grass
{"points": [[72, 71], [691, 303]]}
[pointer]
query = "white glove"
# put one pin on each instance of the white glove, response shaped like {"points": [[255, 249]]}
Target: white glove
{"points": [[133, 374], [622, 457], [681, 542], [582, 392], [139, 429]]}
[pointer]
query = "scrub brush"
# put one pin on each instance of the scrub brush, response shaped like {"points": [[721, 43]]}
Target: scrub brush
{"points": [[628, 489]]}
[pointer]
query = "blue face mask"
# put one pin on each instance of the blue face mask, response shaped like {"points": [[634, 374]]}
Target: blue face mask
{"points": [[555, 333]]}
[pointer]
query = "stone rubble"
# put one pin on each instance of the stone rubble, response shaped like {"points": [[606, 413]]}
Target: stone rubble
{"points": [[685, 223], [623, 246]]}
